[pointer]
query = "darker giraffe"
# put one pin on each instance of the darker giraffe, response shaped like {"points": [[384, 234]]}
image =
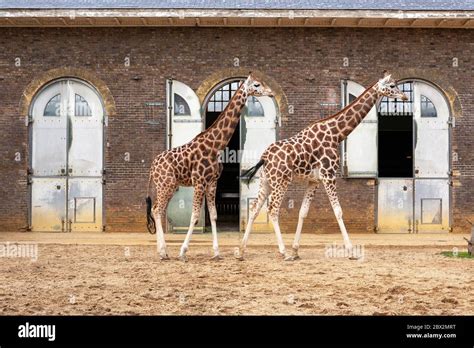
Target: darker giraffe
{"points": [[312, 154], [196, 164]]}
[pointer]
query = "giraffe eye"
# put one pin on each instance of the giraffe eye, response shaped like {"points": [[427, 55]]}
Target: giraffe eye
{"points": [[392, 85], [257, 85]]}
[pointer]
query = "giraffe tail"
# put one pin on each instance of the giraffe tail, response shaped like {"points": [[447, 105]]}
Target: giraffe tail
{"points": [[150, 220], [250, 173]]}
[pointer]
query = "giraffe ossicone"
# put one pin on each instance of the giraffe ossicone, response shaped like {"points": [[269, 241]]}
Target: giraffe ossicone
{"points": [[312, 154], [197, 164]]}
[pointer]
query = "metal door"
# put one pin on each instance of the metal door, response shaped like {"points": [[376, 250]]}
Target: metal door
{"points": [[395, 206], [431, 159], [258, 131], [67, 158], [184, 123], [424, 206]]}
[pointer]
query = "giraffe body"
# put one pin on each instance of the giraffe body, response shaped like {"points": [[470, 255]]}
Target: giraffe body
{"points": [[311, 154], [196, 164]]}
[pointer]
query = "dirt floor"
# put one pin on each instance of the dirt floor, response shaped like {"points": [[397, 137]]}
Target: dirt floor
{"points": [[80, 273]]}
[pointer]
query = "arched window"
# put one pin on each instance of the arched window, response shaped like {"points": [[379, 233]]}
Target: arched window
{"points": [[254, 108], [222, 96], [427, 108], [82, 107], [53, 107], [398, 107], [181, 107]]}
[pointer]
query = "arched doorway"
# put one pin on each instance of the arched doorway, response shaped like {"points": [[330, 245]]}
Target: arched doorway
{"points": [[414, 161], [256, 131], [66, 162], [405, 145]]}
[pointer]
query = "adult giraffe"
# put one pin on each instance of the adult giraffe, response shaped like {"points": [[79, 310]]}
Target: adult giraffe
{"points": [[197, 164], [312, 154]]}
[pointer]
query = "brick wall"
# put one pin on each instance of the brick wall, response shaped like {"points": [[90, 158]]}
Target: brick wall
{"points": [[305, 62]]}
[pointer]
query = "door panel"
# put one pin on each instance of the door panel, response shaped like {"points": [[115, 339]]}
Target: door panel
{"points": [[49, 130], [360, 147], [431, 115], [395, 206], [48, 201], [186, 122], [431, 205], [85, 204], [85, 131], [259, 133]]}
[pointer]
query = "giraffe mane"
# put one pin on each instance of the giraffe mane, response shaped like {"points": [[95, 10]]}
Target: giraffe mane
{"points": [[347, 106]]}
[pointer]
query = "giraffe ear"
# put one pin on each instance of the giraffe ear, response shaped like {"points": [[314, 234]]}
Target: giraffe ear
{"points": [[386, 78], [385, 73]]}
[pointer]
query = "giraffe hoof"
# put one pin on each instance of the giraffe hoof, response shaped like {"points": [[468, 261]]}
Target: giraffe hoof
{"points": [[239, 254], [164, 257], [292, 258], [183, 258], [216, 258]]}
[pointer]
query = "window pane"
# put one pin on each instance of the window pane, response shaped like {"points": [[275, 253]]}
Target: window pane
{"points": [[53, 108], [427, 107], [181, 108], [254, 108], [82, 107]]}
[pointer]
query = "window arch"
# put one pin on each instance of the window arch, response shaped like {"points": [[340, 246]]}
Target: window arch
{"points": [[81, 106], [427, 108], [53, 107], [181, 107], [223, 93]]}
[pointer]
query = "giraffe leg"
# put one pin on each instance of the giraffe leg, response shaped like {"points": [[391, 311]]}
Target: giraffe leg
{"points": [[330, 187], [160, 238], [211, 205], [276, 198], [308, 198], [159, 212], [263, 192], [197, 204]]}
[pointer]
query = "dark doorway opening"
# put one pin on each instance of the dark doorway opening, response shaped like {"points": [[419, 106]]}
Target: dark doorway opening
{"points": [[228, 185], [395, 143]]}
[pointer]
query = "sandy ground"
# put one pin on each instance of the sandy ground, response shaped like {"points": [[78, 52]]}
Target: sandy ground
{"points": [[121, 274]]}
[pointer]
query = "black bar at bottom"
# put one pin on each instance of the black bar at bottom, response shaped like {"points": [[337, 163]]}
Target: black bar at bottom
{"points": [[408, 330]]}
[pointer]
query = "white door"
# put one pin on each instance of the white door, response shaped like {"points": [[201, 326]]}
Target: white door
{"points": [[184, 122], [67, 158], [360, 148], [258, 131], [431, 159]]}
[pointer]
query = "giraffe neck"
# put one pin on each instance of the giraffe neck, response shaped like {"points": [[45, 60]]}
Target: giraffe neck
{"points": [[224, 126], [349, 118]]}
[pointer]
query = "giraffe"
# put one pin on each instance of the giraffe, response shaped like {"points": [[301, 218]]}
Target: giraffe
{"points": [[311, 154], [197, 164]]}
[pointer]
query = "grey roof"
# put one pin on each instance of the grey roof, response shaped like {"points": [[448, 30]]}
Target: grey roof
{"points": [[407, 5]]}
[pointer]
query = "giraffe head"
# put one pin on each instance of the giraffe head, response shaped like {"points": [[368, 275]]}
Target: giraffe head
{"points": [[387, 87], [257, 88]]}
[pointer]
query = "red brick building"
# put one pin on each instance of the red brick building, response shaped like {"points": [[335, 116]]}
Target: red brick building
{"points": [[88, 96]]}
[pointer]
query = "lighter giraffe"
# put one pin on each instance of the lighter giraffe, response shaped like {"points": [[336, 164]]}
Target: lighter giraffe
{"points": [[197, 164], [312, 154]]}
